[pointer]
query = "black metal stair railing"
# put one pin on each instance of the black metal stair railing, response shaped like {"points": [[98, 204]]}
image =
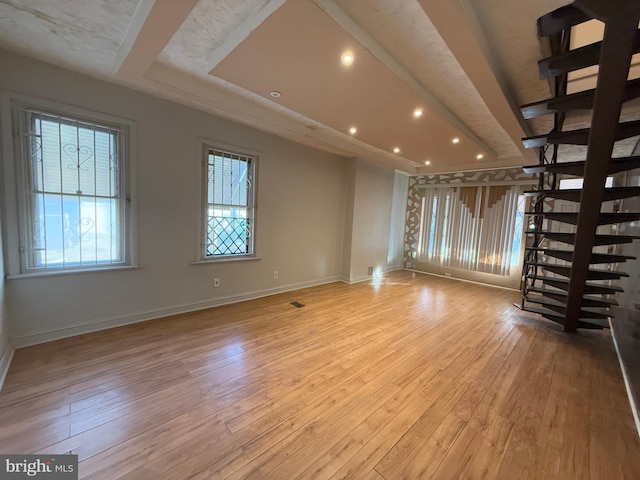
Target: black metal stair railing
{"points": [[560, 42]]}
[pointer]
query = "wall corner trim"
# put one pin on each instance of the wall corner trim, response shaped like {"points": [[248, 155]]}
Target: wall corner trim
{"points": [[5, 361], [625, 376]]}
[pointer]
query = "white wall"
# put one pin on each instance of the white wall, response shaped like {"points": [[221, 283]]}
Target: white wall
{"points": [[398, 220], [371, 219], [630, 298], [301, 215]]}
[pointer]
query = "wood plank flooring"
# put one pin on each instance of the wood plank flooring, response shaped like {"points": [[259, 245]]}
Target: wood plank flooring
{"points": [[417, 377]]}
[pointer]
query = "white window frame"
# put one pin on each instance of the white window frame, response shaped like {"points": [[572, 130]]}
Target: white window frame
{"points": [[205, 146], [14, 205]]}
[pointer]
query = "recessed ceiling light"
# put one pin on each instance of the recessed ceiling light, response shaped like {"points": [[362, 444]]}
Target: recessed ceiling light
{"points": [[455, 140], [428, 162], [347, 58], [275, 94], [480, 156], [396, 150], [353, 130], [418, 112]]}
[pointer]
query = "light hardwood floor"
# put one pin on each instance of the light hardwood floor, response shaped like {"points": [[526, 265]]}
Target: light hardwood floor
{"points": [[419, 377]]}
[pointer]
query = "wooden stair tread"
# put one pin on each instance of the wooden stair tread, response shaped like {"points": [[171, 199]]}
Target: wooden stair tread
{"points": [[588, 300], [575, 101], [604, 218], [563, 284], [559, 318], [580, 136], [592, 274], [576, 59], [616, 165], [561, 19], [560, 308], [599, 240], [595, 257], [574, 194]]}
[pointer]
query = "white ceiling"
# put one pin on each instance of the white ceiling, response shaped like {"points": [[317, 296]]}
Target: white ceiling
{"points": [[75, 34], [471, 62]]}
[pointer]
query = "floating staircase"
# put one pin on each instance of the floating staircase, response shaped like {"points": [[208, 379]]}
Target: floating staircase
{"points": [[561, 283]]}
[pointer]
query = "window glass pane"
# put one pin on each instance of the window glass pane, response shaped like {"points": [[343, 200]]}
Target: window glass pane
{"points": [[432, 227], [571, 183], [229, 214], [518, 231], [227, 231], [76, 207]]}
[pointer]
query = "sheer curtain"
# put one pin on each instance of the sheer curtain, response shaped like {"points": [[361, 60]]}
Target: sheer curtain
{"points": [[469, 227]]}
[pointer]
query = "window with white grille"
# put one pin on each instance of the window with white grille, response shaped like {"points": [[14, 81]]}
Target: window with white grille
{"points": [[73, 196], [229, 210]]}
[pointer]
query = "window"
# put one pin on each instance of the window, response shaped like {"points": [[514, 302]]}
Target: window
{"points": [[476, 228], [518, 231], [229, 210], [73, 193], [570, 183]]}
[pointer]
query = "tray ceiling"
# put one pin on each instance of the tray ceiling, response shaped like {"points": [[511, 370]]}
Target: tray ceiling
{"points": [[466, 64]]}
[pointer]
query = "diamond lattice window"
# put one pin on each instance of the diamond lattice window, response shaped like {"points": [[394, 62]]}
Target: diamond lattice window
{"points": [[229, 216]]}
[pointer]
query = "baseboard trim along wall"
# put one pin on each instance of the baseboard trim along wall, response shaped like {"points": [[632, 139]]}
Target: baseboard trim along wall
{"points": [[5, 361], [625, 376], [369, 277], [463, 280], [104, 324]]}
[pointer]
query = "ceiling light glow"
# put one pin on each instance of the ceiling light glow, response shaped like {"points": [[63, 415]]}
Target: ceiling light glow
{"points": [[353, 130], [418, 112], [455, 140], [480, 156], [396, 150], [428, 162], [347, 58]]}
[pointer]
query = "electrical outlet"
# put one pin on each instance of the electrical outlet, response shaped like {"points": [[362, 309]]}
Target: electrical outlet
{"points": [[275, 274], [447, 274], [216, 282]]}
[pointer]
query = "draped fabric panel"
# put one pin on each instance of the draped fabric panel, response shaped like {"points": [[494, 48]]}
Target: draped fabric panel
{"points": [[469, 227]]}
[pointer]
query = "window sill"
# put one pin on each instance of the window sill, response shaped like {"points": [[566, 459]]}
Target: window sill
{"points": [[226, 260], [52, 273]]}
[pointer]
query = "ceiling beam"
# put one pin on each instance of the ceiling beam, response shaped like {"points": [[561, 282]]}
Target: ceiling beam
{"points": [[331, 8], [457, 24], [239, 34], [153, 25]]}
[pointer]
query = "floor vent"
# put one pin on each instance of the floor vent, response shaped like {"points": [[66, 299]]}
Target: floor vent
{"points": [[297, 304]]}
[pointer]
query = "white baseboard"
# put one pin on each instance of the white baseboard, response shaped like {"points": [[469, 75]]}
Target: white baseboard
{"points": [[103, 324], [5, 361], [463, 280], [367, 278], [632, 402]]}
